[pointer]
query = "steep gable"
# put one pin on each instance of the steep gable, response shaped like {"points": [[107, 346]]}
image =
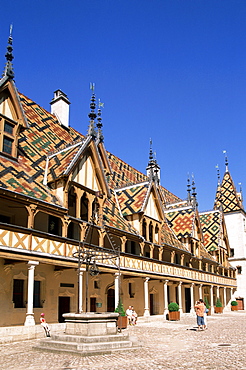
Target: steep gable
{"points": [[226, 195]]}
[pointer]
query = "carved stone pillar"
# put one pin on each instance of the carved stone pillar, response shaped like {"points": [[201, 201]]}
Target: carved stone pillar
{"points": [[80, 290], [161, 249], [123, 243], [180, 297], [146, 297], [182, 259], [200, 291], [172, 256], [192, 309], [30, 290], [116, 289], [212, 298], [165, 298], [151, 249]]}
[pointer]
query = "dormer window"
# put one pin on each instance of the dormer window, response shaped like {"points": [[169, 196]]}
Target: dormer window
{"points": [[8, 142]]}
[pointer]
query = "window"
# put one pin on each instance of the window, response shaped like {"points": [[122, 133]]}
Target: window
{"points": [[7, 145], [53, 225], [5, 219], [8, 128], [18, 293], [84, 208], [131, 290], [239, 270], [96, 284], [232, 252], [36, 294]]}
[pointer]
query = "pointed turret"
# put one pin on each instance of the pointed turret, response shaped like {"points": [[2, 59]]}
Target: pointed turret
{"points": [[8, 70], [153, 169], [194, 194], [100, 137], [188, 189], [226, 194], [92, 115]]}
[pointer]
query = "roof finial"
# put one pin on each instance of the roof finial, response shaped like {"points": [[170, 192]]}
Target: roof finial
{"points": [[8, 70], [226, 160], [99, 121], [153, 169], [92, 115], [218, 174], [188, 188], [194, 194]]}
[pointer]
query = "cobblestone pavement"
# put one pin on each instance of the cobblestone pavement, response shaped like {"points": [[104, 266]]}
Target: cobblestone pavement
{"points": [[165, 345]]}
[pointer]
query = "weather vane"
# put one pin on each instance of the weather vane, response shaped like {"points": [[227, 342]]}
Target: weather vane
{"points": [[92, 86]]}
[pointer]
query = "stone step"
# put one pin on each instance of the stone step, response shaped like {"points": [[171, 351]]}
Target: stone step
{"points": [[84, 349], [90, 339]]}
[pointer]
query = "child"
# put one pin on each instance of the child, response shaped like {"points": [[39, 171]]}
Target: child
{"points": [[45, 325]]}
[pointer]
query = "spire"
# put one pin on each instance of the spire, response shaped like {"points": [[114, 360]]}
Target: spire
{"points": [[8, 70], [100, 137], [218, 174], [226, 160], [153, 169], [194, 194], [92, 115], [188, 189]]}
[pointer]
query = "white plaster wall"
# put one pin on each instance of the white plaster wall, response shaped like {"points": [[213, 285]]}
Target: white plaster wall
{"points": [[235, 224]]}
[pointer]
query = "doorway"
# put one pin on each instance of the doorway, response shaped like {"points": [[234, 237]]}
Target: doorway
{"points": [[93, 307], [110, 300], [63, 307], [187, 300]]}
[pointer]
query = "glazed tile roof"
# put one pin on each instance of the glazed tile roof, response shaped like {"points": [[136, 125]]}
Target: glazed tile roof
{"points": [[124, 175], [181, 221], [227, 195], [168, 237], [131, 199], [211, 228], [43, 135], [112, 216]]}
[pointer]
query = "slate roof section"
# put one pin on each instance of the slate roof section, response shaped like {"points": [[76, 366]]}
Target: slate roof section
{"points": [[226, 196]]}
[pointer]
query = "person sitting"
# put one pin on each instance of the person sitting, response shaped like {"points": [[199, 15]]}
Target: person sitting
{"points": [[134, 316], [45, 325], [129, 314]]}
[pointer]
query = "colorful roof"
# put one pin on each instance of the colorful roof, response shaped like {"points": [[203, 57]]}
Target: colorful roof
{"points": [[226, 195], [211, 228], [181, 221], [169, 238], [112, 216], [131, 199]]}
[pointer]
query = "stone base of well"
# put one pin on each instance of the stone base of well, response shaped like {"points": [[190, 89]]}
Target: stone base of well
{"points": [[89, 334]]}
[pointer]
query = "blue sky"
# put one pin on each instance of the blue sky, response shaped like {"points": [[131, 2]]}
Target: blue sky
{"points": [[170, 70]]}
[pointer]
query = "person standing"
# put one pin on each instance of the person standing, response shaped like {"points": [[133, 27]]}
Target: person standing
{"points": [[200, 309]]}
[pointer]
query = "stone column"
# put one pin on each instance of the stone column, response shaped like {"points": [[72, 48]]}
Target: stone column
{"points": [[200, 291], [165, 299], [192, 309], [30, 315], [212, 298], [180, 297], [146, 297], [116, 289], [80, 290], [224, 297]]}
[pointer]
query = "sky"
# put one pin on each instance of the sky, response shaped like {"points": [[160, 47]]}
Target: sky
{"points": [[170, 70]]}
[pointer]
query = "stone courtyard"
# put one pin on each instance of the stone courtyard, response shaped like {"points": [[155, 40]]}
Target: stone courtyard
{"points": [[164, 345]]}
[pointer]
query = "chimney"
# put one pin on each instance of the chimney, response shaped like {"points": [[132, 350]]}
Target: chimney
{"points": [[60, 107]]}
